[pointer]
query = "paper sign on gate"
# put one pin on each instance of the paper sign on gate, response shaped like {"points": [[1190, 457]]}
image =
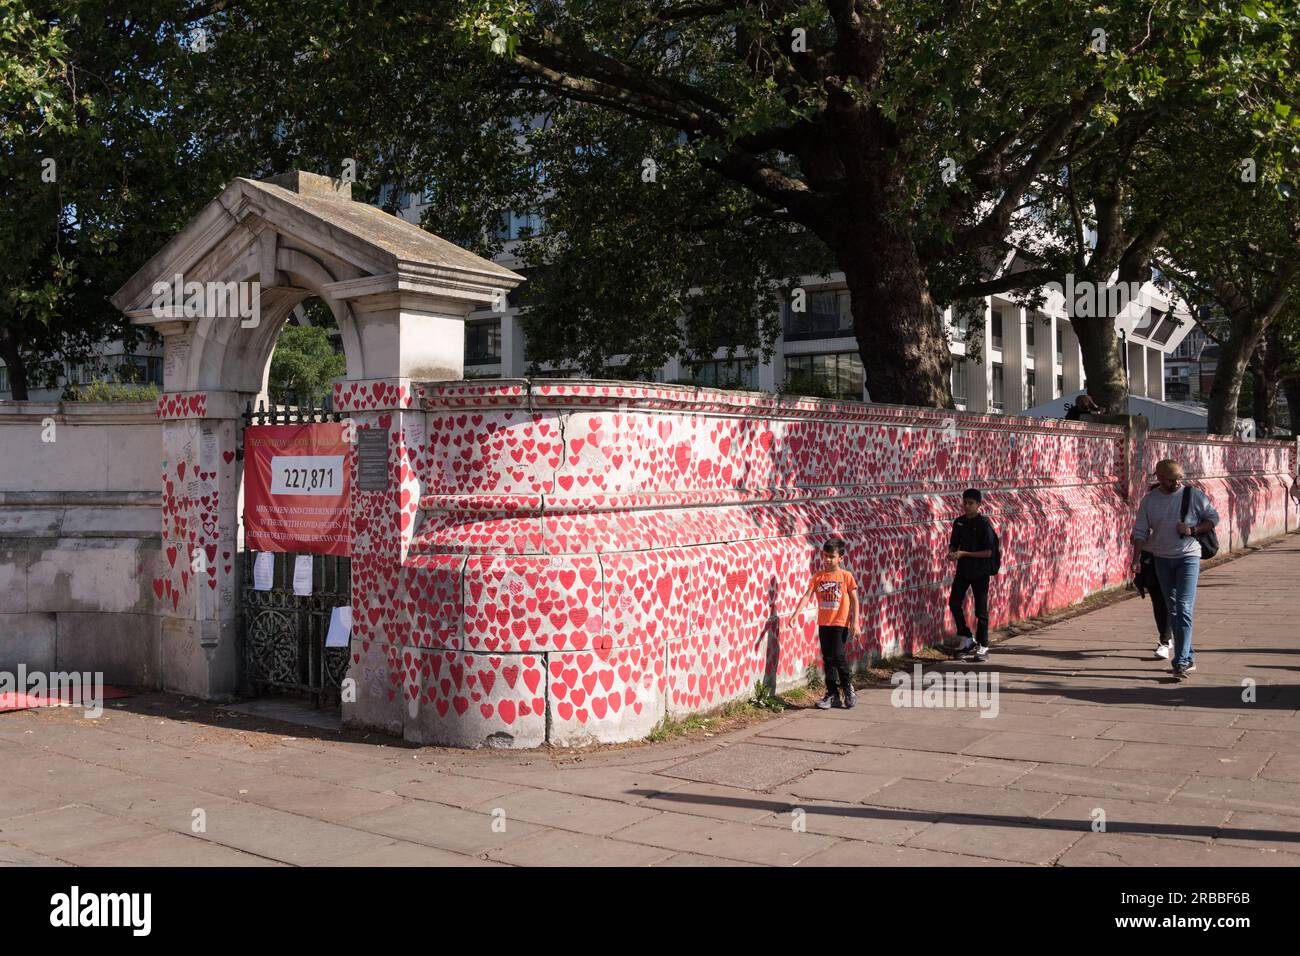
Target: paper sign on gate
{"points": [[263, 571], [302, 575], [340, 627]]}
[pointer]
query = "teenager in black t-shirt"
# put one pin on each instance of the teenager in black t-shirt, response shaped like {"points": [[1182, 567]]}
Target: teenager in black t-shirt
{"points": [[971, 545]]}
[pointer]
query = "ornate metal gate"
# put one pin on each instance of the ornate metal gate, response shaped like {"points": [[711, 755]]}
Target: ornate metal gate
{"points": [[283, 632]]}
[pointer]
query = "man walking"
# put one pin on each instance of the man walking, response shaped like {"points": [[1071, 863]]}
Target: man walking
{"points": [[1169, 532], [971, 547]]}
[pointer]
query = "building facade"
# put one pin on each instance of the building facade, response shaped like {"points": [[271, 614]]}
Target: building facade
{"points": [[1011, 360]]}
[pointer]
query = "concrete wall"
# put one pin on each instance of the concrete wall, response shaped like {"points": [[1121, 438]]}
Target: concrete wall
{"points": [[80, 502], [566, 562]]}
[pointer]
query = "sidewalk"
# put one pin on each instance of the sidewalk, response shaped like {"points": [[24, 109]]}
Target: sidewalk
{"points": [[1186, 774]]}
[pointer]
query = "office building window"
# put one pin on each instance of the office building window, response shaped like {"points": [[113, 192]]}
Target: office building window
{"points": [[837, 375], [826, 315], [1060, 385], [4, 378], [1060, 350], [997, 328], [960, 381], [1029, 390], [483, 343], [727, 374], [140, 369], [1030, 321], [999, 404], [517, 225]]}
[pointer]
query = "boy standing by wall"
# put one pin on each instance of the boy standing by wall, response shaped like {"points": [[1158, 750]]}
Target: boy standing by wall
{"points": [[971, 544], [837, 621]]}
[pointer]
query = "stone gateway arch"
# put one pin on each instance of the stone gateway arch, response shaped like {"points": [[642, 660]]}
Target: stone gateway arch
{"points": [[399, 295]]}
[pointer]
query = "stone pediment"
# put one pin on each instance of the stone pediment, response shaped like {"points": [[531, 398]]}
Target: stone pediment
{"points": [[361, 250], [399, 294]]}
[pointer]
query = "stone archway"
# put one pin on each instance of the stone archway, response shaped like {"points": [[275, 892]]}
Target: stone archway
{"points": [[399, 295]]}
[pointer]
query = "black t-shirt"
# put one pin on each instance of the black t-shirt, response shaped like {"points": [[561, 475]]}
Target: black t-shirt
{"points": [[972, 534]]}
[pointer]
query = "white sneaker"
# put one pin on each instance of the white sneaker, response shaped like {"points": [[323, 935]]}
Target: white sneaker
{"points": [[981, 653], [967, 644], [1162, 651]]}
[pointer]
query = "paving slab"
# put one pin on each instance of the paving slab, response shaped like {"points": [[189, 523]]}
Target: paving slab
{"points": [[164, 849], [857, 854], [448, 828], [971, 800], [1043, 748], [873, 824], [836, 785], [1183, 822], [1146, 785], [565, 848], [1120, 849], [1208, 761], [1009, 839], [1267, 795], [750, 766], [772, 846], [1269, 830], [916, 764], [565, 811]]}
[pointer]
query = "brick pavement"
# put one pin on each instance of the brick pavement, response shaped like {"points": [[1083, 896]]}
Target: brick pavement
{"points": [[1186, 774]]}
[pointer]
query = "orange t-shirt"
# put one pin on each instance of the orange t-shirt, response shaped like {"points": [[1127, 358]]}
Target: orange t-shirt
{"points": [[831, 589]]}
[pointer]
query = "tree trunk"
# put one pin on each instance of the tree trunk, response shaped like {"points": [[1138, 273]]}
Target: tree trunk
{"points": [[900, 333], [1269, 357], [1225, 393], [1103, 366], [1291, 388], [17, 370]]}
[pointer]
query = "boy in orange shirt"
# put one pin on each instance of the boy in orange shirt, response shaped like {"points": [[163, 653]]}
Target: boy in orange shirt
{"points": [[837, 606]]}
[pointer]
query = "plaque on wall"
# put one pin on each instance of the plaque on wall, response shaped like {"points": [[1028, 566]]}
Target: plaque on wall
{"points": [[372, 459]]}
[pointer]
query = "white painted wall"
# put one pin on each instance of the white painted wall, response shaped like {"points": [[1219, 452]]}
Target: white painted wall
{"points": [[96, 447]]}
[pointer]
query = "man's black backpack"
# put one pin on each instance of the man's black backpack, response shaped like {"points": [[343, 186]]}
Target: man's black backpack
{"points": [[994, 561], [1208, 539]]}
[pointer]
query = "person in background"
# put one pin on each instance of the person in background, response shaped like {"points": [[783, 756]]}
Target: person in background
{"points": [[1147, 582], [1085, 405], [1176, 553], [971, 545]]}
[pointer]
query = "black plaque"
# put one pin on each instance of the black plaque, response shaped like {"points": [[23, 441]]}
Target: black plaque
{"points": [[372, 459]]}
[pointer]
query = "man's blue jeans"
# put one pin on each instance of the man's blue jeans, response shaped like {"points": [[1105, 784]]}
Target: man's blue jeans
{"points": [[1177, 577]]}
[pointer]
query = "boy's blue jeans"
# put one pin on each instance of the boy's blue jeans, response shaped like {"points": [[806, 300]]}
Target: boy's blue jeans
{"points": [[1178, 577]]}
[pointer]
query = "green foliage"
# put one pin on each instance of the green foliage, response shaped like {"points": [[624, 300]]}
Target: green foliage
{"points": [[770, 163], [813, 675], [304, 365], [807, 385], [99, 164], [111, 392], [766, 698]]}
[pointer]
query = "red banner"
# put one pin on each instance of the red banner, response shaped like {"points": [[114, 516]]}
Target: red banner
{"points": [[296, 489]]}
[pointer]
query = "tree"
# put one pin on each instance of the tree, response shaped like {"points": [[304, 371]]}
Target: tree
{"points": [[304, 365], [98, 166], [1242, 255], [888, 140], [843, 115]]}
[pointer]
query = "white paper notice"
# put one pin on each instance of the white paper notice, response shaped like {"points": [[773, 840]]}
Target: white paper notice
{"points": [[263, 570], [340, 627], [302, 575], [208, 450]]}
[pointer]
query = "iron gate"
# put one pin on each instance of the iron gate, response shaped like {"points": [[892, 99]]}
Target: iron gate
{"points": [[283, 633]]}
